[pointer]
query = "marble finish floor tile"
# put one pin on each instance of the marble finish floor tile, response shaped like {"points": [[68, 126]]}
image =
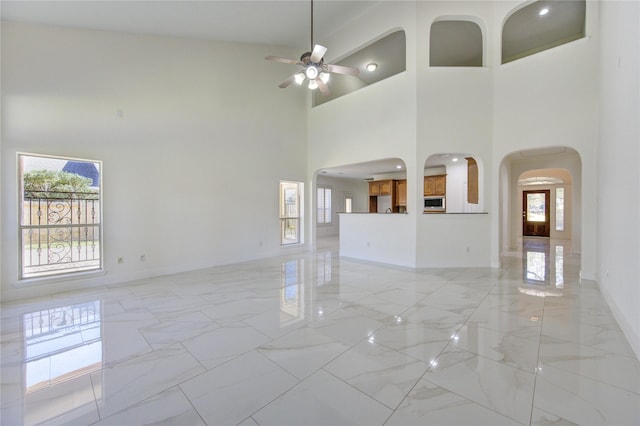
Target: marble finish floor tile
{"points": [[223, 344], [339, 342], [322, 399], [230, 393], [430, 404], [502, 388], [303, 351], [382, 373], [581, 400], [518, 349], [613, 369], [168, 407], [124, 384], [415, 340]]}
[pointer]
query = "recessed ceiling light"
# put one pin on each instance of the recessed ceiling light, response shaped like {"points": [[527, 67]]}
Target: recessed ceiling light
{"points": [[454, 159], [543, 11], [399, 166], [372, 67]]}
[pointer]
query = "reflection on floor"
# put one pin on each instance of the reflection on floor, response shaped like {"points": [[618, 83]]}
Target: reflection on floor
{"points": [[316, 339]]}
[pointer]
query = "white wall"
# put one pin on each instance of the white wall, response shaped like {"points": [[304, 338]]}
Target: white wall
{"points": [[455, 114], [191, 169], [550, 99], [453, 240], [377, 121], [386, 238], [618, 186]]}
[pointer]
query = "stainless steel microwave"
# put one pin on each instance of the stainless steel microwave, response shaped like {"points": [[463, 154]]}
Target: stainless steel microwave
{"points": [[435, 203]]}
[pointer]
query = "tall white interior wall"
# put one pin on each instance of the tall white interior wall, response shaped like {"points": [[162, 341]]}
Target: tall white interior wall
{"points": [[489, 112], [455, 110], [618, 184], [550, 100], [194, 137], [377, 121]]}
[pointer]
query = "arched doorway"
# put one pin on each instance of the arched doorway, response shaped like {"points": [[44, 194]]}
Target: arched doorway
{"points": [[546, 203], [556, 171], [346, 189]]}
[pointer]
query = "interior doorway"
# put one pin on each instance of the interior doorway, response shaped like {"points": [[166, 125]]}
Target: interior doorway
{"points": [[554, 169], [536, 220]]}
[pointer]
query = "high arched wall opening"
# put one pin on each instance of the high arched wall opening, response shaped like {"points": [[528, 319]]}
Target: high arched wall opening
{"points": [[345, 189], [545, 168]]}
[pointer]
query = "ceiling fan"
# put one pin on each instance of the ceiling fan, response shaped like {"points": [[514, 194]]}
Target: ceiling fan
{"points": [[313, 67]]}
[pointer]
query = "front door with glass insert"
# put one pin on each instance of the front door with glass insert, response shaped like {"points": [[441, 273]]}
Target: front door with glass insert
{"points": [[535, 213]]}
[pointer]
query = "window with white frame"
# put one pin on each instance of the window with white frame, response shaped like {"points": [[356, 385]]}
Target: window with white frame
{"points": [[559, 209], [324, 204], [290, 212], [348, 202], [60, 228]]}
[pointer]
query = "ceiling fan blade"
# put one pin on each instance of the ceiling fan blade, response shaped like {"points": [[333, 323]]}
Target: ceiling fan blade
{"points": [[323, 88], [339, 69], [287, 82], [284, 60], [318, 53]]}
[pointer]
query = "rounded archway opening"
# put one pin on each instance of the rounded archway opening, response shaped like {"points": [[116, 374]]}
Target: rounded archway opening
{"points": [[554, 172]]}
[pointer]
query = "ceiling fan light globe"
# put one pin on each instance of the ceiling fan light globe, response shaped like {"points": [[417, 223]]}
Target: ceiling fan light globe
{"points": [[311, 72], [299, 77], [313, 85], [324, 76]]}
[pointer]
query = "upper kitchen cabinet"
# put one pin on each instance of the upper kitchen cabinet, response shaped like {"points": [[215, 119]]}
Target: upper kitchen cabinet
{"points": [[472, 180], [435, 185], [380, 187]]}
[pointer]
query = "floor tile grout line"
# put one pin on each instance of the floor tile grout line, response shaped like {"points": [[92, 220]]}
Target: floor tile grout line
{"points": [[535, 379]]}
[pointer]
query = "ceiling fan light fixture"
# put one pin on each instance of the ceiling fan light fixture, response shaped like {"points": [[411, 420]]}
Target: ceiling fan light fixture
{"points": [[311, 72], [371, 67], [299, 77], [313, 67]]}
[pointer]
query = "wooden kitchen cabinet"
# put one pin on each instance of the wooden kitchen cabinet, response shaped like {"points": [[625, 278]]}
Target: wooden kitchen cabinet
{"points": [[435, 185], [472, 181], [401, 192], [374, 188], [380, 187]]}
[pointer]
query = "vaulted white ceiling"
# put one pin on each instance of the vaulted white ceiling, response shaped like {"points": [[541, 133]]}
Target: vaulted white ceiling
{"points": [[271, 22], [277, 22]]}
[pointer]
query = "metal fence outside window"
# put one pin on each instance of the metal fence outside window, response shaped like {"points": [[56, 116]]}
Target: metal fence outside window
{"points": [[60, 232]]}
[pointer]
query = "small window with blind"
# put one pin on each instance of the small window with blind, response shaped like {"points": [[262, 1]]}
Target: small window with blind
{"points": [[324, 205]]}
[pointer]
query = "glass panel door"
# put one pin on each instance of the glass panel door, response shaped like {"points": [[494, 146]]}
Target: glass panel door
{"points": [[535, 214]]}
